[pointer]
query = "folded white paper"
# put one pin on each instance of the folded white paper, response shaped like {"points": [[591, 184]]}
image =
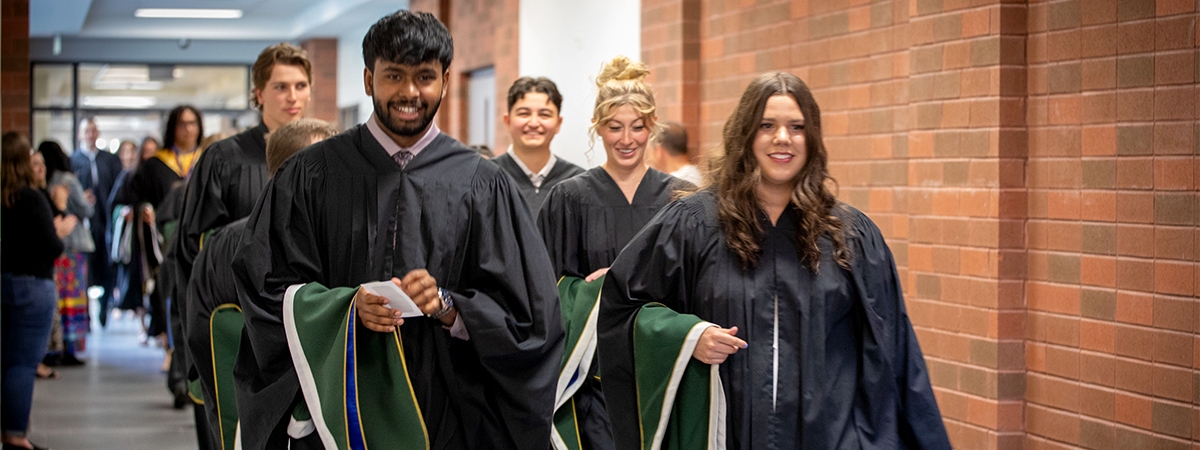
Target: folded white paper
{"points": [[397, 299]]}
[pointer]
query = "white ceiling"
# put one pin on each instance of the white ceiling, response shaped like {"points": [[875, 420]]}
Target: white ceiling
{"points": [[262, 19]]}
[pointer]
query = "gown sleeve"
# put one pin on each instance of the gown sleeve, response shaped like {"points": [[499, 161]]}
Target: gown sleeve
{"points": [[279, 248], [127, 192], [890, 334], [642, 300], [203, 207], [509, 304], [560, 231], [213, 331]]}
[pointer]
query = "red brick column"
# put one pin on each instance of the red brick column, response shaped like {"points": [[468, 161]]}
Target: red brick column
{"points": [[671, 49], [966, 202], [323, 54], [14, 67], [485, 35], [506, 60]]}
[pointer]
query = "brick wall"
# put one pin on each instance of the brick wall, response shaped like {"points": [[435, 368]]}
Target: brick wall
{"points": [[1034, 168], [671, 46], [14, 66], [1112, 231], [323, 54], [485, 35]]}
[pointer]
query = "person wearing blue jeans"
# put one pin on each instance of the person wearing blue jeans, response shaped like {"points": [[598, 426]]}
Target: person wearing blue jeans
{"points": [[32, 237], [27, 307]]}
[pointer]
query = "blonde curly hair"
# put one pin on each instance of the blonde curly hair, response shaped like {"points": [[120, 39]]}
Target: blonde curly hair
{"points": [[622, 82]]}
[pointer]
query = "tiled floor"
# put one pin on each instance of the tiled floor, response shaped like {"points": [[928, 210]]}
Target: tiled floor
{"points": [[118, 401]]}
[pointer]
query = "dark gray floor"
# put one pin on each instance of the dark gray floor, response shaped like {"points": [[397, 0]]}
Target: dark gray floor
{"points": [[118, 401]]}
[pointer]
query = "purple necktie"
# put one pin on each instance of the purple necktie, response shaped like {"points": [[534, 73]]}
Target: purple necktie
{"points": [[403, 157]]}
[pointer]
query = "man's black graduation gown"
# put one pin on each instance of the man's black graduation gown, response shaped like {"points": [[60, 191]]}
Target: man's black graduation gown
{"points": [[536, 196], [850, 373], [585, 222], [211, 285], [224, 186], [342, 213]]}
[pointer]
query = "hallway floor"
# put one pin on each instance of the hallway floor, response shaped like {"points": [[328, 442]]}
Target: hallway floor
{"points": [[117, 401]]}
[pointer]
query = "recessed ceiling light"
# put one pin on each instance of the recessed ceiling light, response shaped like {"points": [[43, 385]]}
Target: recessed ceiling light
{"points": [[187, 13], [119, 101]]}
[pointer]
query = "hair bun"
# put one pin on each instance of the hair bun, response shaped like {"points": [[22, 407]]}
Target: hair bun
{"points": [[621, 68]]}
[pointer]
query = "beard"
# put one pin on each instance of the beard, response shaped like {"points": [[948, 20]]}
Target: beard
{"points": [[406, 128]]}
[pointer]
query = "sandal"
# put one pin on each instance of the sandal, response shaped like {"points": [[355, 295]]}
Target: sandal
{"points": [[44, 372]]}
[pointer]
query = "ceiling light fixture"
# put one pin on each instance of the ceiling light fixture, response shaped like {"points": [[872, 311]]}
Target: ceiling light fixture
{"points": [[187, 13]]}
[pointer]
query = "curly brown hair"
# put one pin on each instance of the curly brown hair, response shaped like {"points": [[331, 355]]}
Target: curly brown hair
{"points": [[15, 169], [735, 176]]}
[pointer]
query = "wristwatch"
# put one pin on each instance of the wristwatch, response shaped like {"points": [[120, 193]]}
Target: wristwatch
{"points": [[447, 305]]}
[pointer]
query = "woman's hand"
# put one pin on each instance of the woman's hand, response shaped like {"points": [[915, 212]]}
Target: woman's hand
{"points": [[63, 225], [374, 313], [59, 195], [595, 275], [716, 344], [148, 215]]}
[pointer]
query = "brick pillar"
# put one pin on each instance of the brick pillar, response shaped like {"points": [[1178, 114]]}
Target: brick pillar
{"points": [[14, 67], [450, 107], [967, 197], [488, 38], [506, 60], [671, 49], [322, 52]]}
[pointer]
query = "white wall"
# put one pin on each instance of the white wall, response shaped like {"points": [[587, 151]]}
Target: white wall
{"points": [[568, 41], [350, 72]]}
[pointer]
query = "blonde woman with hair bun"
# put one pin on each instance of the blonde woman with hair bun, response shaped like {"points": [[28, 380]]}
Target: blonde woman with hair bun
{"points": [[588, 219]]}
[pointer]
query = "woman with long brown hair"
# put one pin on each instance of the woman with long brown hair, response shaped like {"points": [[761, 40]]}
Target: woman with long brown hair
{"points": [[32, 238], [761, 312]]}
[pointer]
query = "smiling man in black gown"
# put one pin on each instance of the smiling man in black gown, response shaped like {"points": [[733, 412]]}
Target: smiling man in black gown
{"points": [[397, 200]]}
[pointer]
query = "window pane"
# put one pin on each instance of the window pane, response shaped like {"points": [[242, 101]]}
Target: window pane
{"points": [[131, 126], [52, 84], [53, 126], [141, 86]]}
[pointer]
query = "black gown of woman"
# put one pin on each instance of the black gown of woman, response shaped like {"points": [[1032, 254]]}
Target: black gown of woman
{"points": [[832, 361], [586, 222]]}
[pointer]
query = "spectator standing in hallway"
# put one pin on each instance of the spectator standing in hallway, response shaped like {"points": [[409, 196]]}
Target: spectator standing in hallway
{"points": [[71, 267], [32, 237], [533, 120], [97, 172], [670, 155]]}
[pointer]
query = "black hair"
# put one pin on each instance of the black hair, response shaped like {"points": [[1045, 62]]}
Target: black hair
{"points": [[173, 121], [408, 38], [56, 159], [525, 85]]}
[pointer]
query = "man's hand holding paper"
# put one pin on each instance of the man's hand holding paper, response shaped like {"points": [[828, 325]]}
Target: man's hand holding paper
{"points": [[383, 305]]}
